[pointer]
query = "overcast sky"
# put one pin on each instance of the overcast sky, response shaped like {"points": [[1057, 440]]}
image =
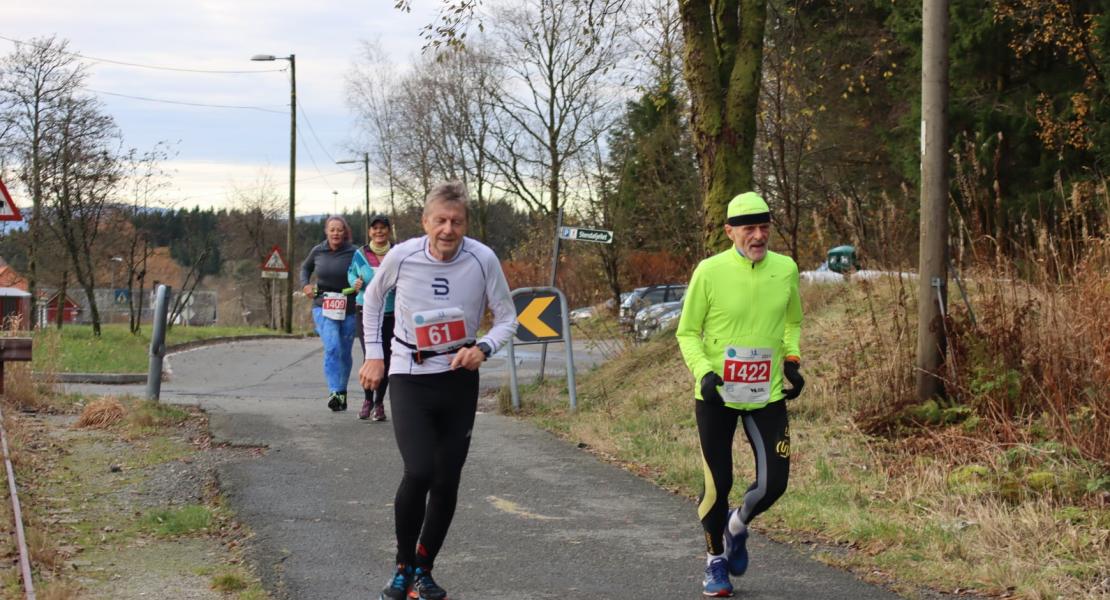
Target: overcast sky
{"points": [[219, 149]]}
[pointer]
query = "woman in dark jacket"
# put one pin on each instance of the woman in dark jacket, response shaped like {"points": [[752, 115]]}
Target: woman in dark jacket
{"points": [[333, 311]]}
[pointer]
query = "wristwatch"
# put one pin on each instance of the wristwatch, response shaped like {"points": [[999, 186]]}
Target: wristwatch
{"points": [[486, 350]]}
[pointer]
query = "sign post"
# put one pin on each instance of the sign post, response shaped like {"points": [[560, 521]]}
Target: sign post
{"points": [[274, 267], [542, 318], [581, 234]]}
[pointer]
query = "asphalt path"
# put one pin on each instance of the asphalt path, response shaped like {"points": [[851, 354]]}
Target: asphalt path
{"points": [[537, 517]]}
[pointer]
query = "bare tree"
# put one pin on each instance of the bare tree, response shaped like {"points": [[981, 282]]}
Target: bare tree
{"points": [[36, 81], [466, 82], [81, 167], [250, 233], [786, 134], [371, 85], [147, 178], [557, 55]]}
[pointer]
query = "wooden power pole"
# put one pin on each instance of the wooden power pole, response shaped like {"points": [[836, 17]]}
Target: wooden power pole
{"points": [[933, 256]]}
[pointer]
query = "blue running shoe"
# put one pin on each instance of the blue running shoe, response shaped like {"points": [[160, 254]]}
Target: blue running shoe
{"points": [[425, 588], [736, 549], [398, 588], [716, 581]]}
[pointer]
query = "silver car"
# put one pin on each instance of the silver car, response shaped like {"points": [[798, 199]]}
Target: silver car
{"points": [[647, 320], [649, 296], [668, 321]]}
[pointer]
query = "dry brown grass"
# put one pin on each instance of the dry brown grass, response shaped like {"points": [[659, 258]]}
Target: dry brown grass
{"points": [[59, 590], [101, 414], [1037, 361], [945, 506]]}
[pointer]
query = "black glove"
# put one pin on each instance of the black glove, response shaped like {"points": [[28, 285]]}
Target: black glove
{"points": [[790, 372], [709, 393]]}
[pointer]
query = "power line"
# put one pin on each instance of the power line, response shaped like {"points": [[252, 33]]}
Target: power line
{"points": [[308, 149], [142, 66], [313, 130], [183, 103], [262, 187]]}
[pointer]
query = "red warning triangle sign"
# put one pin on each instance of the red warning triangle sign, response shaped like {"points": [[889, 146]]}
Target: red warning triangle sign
{"points": [[8, 210], [275, 262]]}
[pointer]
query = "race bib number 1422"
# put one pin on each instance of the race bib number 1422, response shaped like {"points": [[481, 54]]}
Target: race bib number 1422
{"points": [[747, 375]]}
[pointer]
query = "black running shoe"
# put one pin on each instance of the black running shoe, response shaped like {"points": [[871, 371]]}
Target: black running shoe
{"points": [[425, 588], [398, 588], [333, 402], [342, 400]]}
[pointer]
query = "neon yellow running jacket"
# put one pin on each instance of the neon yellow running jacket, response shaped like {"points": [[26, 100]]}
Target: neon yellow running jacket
{"points": [[732, 301]]}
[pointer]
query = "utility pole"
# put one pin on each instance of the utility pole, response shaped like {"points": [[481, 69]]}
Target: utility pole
{"points": [[290, 232], [933, 254]]}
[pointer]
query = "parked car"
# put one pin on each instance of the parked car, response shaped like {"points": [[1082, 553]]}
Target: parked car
{"points": [[647, 320], [668, 321], [588, 312], [581, 314], [641, 298]]}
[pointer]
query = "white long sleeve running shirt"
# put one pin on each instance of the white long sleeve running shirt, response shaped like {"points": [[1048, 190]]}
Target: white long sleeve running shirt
{"points": [[429, 291]]}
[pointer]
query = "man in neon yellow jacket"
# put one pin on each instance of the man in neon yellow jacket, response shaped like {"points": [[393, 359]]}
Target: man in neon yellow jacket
{"points": [[739, 333]]}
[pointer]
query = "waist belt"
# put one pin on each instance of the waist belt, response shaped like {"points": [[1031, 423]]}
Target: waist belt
{"points": [[419, 356]]}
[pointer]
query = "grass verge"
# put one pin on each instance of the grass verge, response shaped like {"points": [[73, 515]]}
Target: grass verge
{"points": [[121, 501], [74, 349], [947, 508]]}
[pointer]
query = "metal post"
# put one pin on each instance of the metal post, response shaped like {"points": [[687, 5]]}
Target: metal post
{"points": [[512, 376], [571, 388], [554, 270], [933, 261], [566, 339], [157, 344], [290, 241]]}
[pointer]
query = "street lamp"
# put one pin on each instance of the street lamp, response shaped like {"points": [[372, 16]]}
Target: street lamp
{"points": [[365, 160], [290, 249], [119, 261]]}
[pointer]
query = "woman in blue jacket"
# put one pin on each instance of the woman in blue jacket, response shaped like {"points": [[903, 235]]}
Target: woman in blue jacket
{"points": [[361, 272]]}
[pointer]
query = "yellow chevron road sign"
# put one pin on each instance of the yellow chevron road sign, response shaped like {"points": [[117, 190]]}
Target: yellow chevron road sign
{"points": [[540, 317]]}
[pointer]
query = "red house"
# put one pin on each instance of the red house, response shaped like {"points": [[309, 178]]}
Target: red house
{"points": [[15, 302], [15, 305], [69, 308]]}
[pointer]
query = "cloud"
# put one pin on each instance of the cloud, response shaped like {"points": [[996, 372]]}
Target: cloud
{"points": [[218, 184], [222, 148]]}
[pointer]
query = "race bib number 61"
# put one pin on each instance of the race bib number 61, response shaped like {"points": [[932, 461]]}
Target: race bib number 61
{"points": [[747, 375], [439, 329]]}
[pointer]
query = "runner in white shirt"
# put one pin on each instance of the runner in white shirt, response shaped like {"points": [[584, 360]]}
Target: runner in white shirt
{"points": [[444, 281]]}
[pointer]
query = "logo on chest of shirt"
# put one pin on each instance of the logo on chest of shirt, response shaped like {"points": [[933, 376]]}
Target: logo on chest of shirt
{"points": [[440, 286]]}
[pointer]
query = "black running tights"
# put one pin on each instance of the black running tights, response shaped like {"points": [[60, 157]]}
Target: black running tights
{"points": [[769, 436], [433, 416], [387, 348]]}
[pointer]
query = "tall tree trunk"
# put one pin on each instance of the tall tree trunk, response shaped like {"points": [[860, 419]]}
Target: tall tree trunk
{"points": [[90, 291], [724, 54], [60, 304], [35, 227]]}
